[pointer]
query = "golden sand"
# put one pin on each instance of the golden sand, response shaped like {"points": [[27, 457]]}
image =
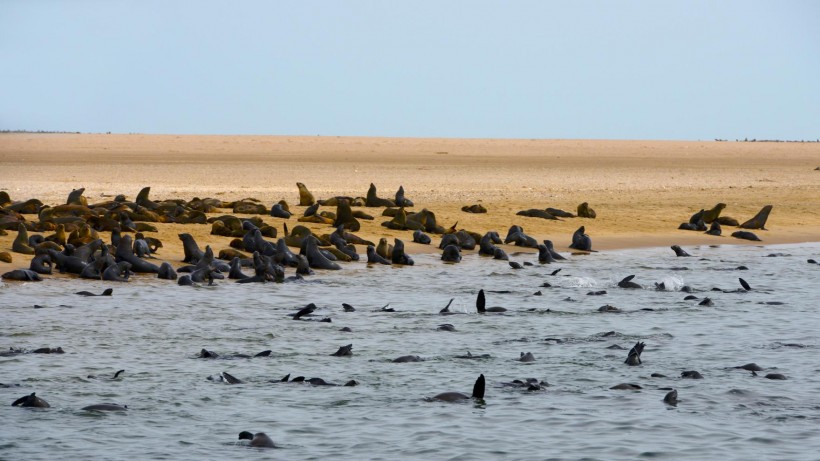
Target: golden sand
{"points": [[640, 190]]}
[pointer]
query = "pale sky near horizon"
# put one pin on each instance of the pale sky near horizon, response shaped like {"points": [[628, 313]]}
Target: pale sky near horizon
{"points": [[640, 69]]}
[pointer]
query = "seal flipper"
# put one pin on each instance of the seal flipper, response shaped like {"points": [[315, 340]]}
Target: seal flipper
{"points": [[480, 302], [446, 309], [230, 379], [304, 311], [745, 284], [478, 388]]}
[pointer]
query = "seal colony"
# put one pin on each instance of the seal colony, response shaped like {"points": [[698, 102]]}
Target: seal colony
{"points": [[274, 248], [94, 241]]}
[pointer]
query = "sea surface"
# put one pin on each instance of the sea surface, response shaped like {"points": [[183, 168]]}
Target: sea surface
{"points": [[154, 330]]}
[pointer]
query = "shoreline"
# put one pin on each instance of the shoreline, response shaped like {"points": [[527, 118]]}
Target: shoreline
{"points": [[640, 190]]}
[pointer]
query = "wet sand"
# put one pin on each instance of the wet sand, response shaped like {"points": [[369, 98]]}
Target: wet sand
{"points": [[640, 190]]}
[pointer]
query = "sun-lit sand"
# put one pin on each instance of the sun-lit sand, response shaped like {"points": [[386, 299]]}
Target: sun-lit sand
{"points": [[640, 190]]}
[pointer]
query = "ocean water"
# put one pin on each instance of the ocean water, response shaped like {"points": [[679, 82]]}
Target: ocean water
{"points": [[154, 330]]}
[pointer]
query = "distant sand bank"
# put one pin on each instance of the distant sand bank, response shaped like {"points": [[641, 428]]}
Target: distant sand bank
{"points": [[641, 190]]}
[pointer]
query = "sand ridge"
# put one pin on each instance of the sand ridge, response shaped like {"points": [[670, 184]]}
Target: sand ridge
{"points": [[641, 190]]}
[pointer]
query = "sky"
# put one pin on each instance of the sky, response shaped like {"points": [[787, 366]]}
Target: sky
{"points": [[641, 69]]}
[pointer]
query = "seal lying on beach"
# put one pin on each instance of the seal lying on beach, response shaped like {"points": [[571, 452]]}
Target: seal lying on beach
{"points": [[22, 275], [584, 211], [745, 235]]}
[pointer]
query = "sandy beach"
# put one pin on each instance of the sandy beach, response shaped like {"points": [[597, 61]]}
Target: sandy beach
{"points": [[640, 190]]}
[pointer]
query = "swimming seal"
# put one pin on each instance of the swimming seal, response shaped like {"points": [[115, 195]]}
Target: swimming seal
{"points": [[628, 283], [407, 358], [446, 310], [528, 357], [478, 393], [344, 351], [671, 398], [759, 221], [258, 440], [744, 284], [634, 356], [105, 407], [226, 378], [626, 387], [691, 374], [304, 311], [750, 367], [115, 377], [480, 304], [679, 252], [106, 292], [31, 401]]}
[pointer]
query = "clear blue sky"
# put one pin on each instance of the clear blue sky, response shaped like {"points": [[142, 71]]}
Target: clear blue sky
{"points": [[480, 69]]}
